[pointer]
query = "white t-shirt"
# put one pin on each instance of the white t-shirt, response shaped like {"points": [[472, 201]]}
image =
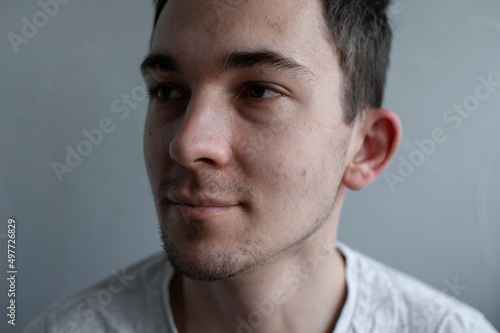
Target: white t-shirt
{"points": [[379, 300]]}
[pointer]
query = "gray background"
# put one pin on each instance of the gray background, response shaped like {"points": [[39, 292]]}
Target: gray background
{"points": [[441, 224]]}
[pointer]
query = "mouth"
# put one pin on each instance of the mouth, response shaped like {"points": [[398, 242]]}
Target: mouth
{"points": [[202, 212], [201, 208]]}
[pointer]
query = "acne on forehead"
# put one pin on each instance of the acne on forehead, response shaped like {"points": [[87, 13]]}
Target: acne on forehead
{"points": [[274, 24]]}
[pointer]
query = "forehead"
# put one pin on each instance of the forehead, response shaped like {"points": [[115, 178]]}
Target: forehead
{"points": [[205, 29]]}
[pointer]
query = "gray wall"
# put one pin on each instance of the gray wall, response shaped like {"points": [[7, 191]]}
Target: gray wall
{"points": [[442, 223]]}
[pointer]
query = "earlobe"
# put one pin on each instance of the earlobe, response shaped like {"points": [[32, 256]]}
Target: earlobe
{"points": [[380, 133]]}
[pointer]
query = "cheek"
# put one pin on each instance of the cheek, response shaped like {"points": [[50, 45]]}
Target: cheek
{"points": [[281, 176], [300, 168], [148, 146], [156, 147]]}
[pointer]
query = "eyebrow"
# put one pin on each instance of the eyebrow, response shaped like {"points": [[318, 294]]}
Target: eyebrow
{"points": [[160, 62], [271, 59]]}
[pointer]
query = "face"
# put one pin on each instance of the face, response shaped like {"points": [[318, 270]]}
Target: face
{"points": [[245, 141]]}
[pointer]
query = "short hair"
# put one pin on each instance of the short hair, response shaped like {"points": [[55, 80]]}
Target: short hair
{"points": [[362, 37]]}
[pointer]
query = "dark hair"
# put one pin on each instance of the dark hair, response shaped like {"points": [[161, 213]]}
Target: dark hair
{"points": [[361, 34]]}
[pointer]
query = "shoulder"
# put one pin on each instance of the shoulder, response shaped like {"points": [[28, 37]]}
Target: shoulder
{"points": [[118, 303], [393, 301]]}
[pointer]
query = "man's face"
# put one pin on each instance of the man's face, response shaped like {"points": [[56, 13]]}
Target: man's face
{"points": [[245, 151]]}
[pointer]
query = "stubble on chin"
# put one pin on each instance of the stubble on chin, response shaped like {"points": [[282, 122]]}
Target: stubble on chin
{"points": [[220, 264]]}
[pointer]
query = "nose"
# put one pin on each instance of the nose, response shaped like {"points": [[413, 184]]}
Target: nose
{"points": [[202, 137]]}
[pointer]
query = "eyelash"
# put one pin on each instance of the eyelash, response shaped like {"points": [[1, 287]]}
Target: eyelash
{"points": [[155, 89], [265, 87]]}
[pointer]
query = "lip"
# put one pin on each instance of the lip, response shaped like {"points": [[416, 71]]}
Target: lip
{"points": [[199, 207], [199, 201], [201, 212]]}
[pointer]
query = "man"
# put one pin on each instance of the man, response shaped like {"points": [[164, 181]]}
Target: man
{"points": [[263, 114]]}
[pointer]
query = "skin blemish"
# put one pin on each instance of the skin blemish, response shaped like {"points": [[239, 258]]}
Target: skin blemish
{"points": [[210, 28], [274, 25], [286, 176], [304, 172]]}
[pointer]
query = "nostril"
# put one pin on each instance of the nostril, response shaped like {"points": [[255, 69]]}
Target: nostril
{"points": [[205, 160]]}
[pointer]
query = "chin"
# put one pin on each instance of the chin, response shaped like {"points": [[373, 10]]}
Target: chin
{"points": [[198, 259]]}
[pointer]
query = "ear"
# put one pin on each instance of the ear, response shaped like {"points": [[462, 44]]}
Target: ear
{"points": [[376, 138]]}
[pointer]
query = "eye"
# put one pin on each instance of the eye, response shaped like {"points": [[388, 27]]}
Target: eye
{"points": [[260, 92], [163, 92]]}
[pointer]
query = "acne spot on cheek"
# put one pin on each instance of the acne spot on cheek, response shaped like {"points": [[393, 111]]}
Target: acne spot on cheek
{"points": [[286, 176], [304, 172], [209, 28]]}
